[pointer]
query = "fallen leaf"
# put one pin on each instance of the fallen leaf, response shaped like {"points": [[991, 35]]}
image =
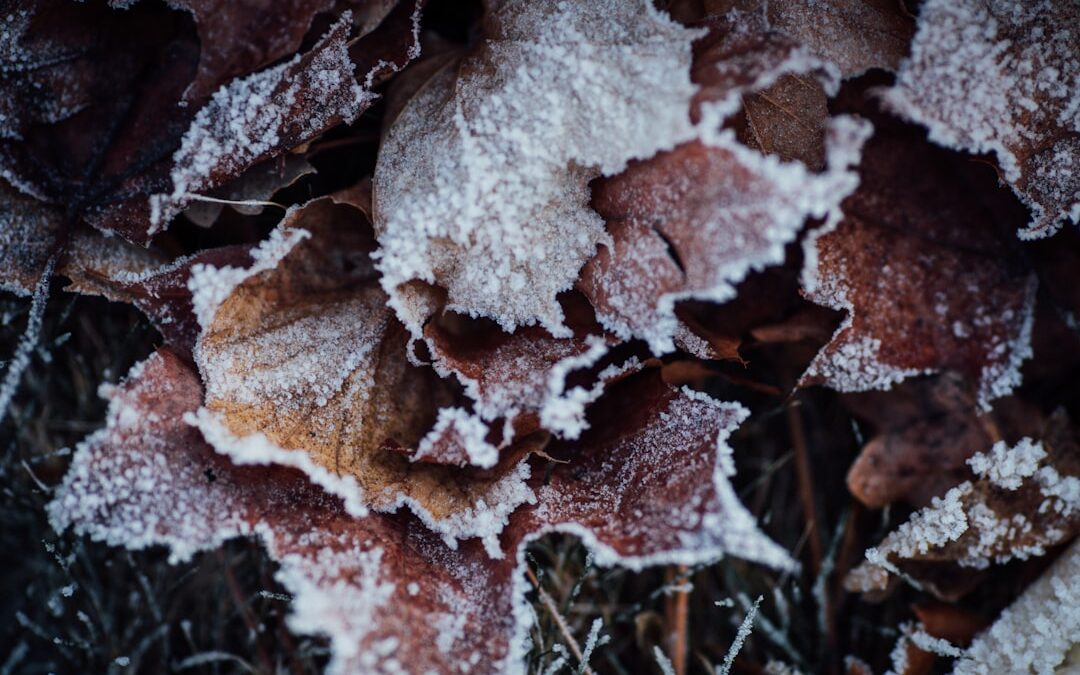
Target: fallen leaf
{"points": [[1024, 499], [1004, 79], [926, 283], [555, 95], [384, 588]]}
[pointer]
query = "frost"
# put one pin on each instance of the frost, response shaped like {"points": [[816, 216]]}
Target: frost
{"points": [[482, 181], [256, 116], [391, 595], [1035, 633], [1008, 467], [1024, 500], [24, 348], [725, 209], [1003, 77]]}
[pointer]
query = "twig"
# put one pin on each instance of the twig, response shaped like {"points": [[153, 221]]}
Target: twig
{"points": [[806, 487], [549, 604], [676, 609]]}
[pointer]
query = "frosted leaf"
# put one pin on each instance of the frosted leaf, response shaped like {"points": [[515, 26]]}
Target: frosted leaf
{"points": [[854, 35], [926, 285], [719, 229], [653, 488], [305, 365], [237, 38], [522, 378], [1037, 632], [1023, 500], [148, 479], [255, 117], [482, 182], [29, 235], [391, 595], [1003, 77]]}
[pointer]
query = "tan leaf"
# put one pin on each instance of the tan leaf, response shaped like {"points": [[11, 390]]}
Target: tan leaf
{"points": [[481, 183]]}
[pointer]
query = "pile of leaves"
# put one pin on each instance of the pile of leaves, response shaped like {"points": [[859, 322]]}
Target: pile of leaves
{"points": [[431, 284]]}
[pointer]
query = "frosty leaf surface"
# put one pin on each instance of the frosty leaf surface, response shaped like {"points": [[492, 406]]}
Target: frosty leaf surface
{"points": [[719, 228], [1037, 633], [481, 185], [906, 250], [239, 38], [255, 117], [1003, 77]]}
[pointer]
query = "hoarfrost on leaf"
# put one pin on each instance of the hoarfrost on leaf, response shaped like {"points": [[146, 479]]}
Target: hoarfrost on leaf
{"points": [[1003, 77], [482, 182]]}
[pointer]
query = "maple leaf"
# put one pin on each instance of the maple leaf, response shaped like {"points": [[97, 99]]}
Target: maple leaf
{"points": [[482, 149], [1003, 78], [383, 588], [907, 249]]}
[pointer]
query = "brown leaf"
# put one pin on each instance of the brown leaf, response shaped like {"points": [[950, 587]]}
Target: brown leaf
{"points": [[511, 135], [1023, 500], [692, 222], [917, 264], [305, 365], [236, 38], [383, 587], [1003, 80], [854, 35], [118, 151]]}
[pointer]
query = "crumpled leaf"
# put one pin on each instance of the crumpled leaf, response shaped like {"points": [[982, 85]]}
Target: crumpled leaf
{"points": [[384, 589], [1037, 633], [916, 244], [249, 191], [481, 183], [1024, 499], [236, 38], [1003, 78], [925, 432]]}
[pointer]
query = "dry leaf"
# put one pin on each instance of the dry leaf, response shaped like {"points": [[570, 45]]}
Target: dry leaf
{"points": [[926, 283], [384, 588], [1003, 78], [557, 94], [1024, 499]]}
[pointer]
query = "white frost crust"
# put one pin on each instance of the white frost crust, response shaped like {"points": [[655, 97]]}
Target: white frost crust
{"points": [[1036, 633], [482, 182], [976, 90], [469, 429], [244, 120], [951, 516], [483, 520]]}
